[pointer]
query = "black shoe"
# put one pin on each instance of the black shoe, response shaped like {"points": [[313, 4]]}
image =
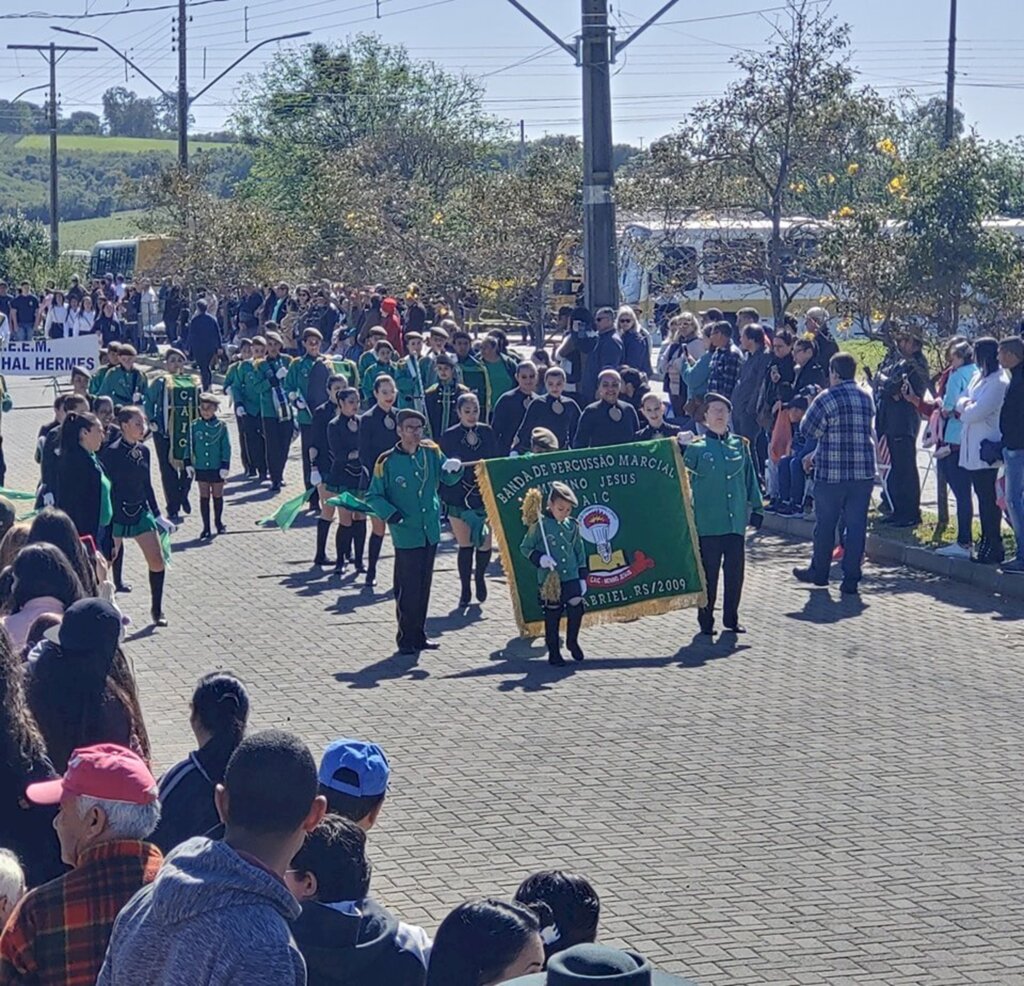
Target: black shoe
{"points": [[371, 578], [736, 628], [481, 592], [322, 561], [464, 600], [339, 567], [408, 650], [429, 645], [123, 587], [176, 519], [577, 652], [186, 506], [848, 588], [275, 487], [252, 474], [205, 535], [805, 575], [556, 660], [222, 529], [159, 620], [360, 567], [263, 477]]}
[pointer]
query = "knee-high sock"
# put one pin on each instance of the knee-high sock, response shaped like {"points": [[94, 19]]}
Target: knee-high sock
{"points": [[359, 539], [218, 510], [552, 617], [376, 541], [156, 593], [323, 529], [119, 568], [574, 620], [204, 511], [342, 543], [465, 563], [483, 559]]}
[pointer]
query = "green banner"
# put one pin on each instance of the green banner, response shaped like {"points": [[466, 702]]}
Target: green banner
{"points": [[636, 519]]}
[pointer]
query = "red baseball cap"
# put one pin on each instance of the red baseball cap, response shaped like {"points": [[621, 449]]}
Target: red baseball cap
{"points": [[106, 771]]}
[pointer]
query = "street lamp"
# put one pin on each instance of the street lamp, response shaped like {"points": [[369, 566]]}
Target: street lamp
{"points": [[26, 91], [185, 101]]}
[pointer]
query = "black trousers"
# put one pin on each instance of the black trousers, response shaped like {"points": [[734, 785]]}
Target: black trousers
{"points": [[984, 483], [175, 482], [278, 436], [718, 552], [204, 362], [306, 440], [414, 575], [904, 482], [255, 445]]}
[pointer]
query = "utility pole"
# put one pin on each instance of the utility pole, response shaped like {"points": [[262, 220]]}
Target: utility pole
{"points": [[50, 52], [947, 135], [183, 100], [595, 52]]}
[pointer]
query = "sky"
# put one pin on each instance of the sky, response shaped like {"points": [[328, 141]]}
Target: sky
{"points": [[897, 44]]}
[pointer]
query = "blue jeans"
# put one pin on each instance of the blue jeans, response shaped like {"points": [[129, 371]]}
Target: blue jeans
{"points": [[831, 501], [959, 481], [1013, 460], [792, 480]]}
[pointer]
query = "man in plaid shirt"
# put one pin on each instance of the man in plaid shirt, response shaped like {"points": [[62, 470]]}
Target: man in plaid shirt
{"points": [[58, 933], [725, 361], [842, 420]]}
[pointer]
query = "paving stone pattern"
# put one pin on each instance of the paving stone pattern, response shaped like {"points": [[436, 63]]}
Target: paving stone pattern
{"points": [[834, 797]]}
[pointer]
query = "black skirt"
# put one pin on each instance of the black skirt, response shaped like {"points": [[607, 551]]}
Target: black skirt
{"points": [[208, 476]]}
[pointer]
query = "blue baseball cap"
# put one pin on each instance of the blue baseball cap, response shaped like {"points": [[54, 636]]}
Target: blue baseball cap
{"points": [[354, 767]]}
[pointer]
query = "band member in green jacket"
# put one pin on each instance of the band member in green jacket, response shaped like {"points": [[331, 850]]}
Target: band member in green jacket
{"points": [[403, 491], [383, 365], [241, 355], [244, 388], [414, 374], [306, 385], [441, 397], [726, 500], [276, 416], [209, 461], [124, 384], [554, 544], [109, 358], [172, 406]]}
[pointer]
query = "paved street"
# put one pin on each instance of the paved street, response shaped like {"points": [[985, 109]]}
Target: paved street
{"points": [[833, 798]]}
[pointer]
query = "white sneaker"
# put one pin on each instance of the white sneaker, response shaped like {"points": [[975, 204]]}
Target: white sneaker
{"points": [[954, 551]]}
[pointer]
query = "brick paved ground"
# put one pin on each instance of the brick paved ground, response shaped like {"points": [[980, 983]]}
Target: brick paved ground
{"points": [[835, 797]]}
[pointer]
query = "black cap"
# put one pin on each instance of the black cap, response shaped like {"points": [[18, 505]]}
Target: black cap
{"points": [[410, 414], [444, 359], [599, 963], [89, 625]]}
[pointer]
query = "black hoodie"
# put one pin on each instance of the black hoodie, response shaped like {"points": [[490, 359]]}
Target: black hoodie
{"points": [[358, 947]]}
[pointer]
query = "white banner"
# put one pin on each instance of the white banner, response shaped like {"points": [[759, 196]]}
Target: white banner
{"points": [[50, 357]]}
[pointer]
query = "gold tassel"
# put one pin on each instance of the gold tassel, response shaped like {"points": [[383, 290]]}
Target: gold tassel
{"points": [[531, 507], [551, 588]]}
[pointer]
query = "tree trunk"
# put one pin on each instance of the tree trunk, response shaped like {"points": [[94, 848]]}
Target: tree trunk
{"points": [[775, 274]]}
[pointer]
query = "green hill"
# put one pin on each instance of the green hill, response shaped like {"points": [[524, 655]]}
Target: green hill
{"points": [[81, 234], [111, 145]]}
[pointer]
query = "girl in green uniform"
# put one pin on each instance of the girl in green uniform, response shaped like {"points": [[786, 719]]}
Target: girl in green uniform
{"points": [[208, 462], [554, 544]]}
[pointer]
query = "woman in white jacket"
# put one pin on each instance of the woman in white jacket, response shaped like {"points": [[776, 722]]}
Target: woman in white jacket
{"points": [[55, 317], [978, 411]]}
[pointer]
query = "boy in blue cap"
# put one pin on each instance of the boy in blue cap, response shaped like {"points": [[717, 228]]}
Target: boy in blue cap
{"points": [[353, 777]]}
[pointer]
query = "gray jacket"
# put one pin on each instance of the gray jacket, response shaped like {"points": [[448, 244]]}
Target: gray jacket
{"points": [[752, 374], [210, 918]]}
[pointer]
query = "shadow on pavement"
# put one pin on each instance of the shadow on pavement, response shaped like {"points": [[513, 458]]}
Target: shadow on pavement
{"points": [[390, 669], [822, 607]]}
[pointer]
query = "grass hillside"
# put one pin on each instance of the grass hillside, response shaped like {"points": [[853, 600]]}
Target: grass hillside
{"points": [[111, 145], [81, 234]]}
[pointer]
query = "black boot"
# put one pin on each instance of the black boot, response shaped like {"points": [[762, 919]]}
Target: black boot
{"points": [[156, 597], [376, 541], [552, 617], [465, 563], [342, 544], [483, 559], [574, 620], [204, 512], [218, 514], [119, 583], [706, 619], [323, 529], [358, 543]]}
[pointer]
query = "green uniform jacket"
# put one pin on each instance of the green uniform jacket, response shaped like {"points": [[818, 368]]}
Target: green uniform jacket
{"points": [[244, 386], [565, 545], [97, 380], [365, 361], [122, 385], [724, 483], [266, 378], [408, 388], [211, 445], [500, 379], [370, 374], [403, 491], [346, 368], [472, 373], [154, 403], [297, 384]]}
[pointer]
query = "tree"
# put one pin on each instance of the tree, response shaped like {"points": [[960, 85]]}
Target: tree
{"points": [[81, 123], [128, 115], [781, 141]]}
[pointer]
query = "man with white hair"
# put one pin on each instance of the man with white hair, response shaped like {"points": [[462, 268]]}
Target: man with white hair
{"points": [[58, 933], [816, 324]]}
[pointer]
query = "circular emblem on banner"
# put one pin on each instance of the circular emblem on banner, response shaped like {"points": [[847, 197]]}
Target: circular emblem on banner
{"points": [[599, 525], [389, 422], [615, 414]]}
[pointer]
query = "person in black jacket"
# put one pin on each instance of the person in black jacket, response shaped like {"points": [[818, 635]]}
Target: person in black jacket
{"points": [[655, 425], [469, 441], [512, 406], [203, 340], [608, 421], [345, 936], [377, 434], [558, 414], [220, 711], [322, 461], [83, 489], [135, 511], [807, 371], [346, 476]]}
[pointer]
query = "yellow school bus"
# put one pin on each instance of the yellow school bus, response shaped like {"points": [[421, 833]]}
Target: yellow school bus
{"points": [[140, 254]]}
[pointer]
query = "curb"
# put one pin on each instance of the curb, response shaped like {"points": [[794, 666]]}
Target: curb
{"points": [[888, 552]]}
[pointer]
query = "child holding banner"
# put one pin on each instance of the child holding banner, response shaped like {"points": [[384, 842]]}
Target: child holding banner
{"points": [[554, 544]]}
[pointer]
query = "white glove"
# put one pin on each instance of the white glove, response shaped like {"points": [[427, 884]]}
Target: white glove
{"points": [[583, 587], [300, 404], [282, 372], [546, 561], [451, 465], [48, 500], [190, 472], [315, 478], [513, 454], [685, 437], [136, 397], [240, 411], [223, 473], [165, 525]]}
